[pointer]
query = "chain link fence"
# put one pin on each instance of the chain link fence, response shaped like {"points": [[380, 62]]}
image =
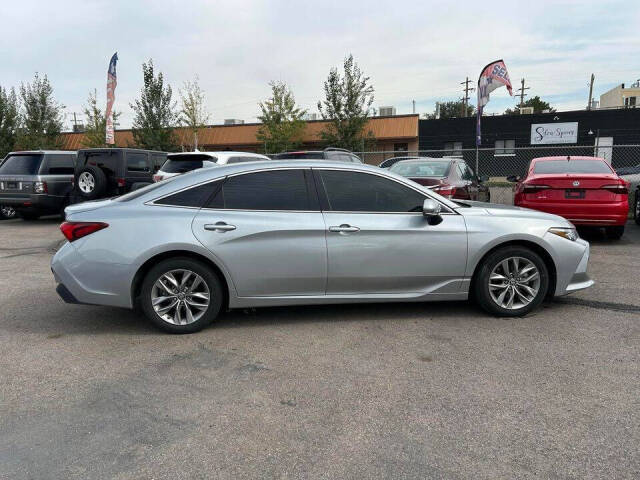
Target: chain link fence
{"points": [[497, 164]]}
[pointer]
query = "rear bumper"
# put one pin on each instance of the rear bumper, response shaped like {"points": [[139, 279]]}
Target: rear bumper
{"points": [[33, 202], [601, 214]]}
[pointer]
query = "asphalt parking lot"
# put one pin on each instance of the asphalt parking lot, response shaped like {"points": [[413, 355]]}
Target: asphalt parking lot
{"points": [[362, 391]]}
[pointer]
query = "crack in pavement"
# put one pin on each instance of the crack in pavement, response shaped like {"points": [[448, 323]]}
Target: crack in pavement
{"points": [[618, 307]]}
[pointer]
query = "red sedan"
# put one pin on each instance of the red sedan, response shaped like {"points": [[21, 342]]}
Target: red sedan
{"points": [[584, 190]]}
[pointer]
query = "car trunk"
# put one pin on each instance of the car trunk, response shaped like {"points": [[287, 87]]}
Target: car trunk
{"points": [[427, 181], [575, 188]]}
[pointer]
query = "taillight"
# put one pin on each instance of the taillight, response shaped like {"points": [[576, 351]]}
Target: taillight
{"points": [[445, 190], [533, 188], [40, 187], [619, 189], [157, 178], [121, 182], [75, 230]]}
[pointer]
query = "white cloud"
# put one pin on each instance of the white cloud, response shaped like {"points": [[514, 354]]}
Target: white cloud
{"points": [[418, 50]]}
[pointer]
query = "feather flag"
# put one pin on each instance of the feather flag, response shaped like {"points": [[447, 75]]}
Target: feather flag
{"points": [[111, 96], [492, 76]]}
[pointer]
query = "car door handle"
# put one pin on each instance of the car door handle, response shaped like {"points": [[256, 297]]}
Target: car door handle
{"points": [[344, 228], [219, 227]]}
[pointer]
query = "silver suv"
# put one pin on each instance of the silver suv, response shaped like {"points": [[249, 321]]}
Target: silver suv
{"points": [[35, 183]]}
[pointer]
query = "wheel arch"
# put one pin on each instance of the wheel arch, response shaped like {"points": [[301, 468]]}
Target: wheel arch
{"points": [[540, 250], [136, 284]]}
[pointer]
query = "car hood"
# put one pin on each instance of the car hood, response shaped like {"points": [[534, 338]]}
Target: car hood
{"points": [[499, 210]]}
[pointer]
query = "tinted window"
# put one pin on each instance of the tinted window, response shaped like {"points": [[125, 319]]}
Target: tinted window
{"points": [[142, 191], [435, 168], [181, 166], [158, 160], [137, 162], [192, 197], [299, 155], [60, 165], [465, 172], [108, 160], [21, 165], [364, 192], [571, 166], [273, 190]]}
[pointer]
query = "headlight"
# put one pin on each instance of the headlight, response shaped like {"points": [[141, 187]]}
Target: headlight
{"points": [[569, 233], [40, 187]]}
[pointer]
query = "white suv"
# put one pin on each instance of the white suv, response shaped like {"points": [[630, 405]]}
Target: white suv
{"points": [[178, 163]]}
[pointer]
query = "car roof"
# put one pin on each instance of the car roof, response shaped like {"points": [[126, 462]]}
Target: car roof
{"points": [[423, 159], [202, 175], [220, 152], [45, 152], [567, 158]]}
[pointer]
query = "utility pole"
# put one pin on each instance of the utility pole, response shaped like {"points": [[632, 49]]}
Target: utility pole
{"points": [[465, 99], [414, 105], [590, 91], [522, 94]]}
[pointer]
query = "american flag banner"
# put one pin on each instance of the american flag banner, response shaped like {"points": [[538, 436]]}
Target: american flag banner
{"points": [[492, 76], [111, 96]]}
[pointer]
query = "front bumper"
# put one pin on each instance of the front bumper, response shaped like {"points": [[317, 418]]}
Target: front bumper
{"points": [[571, 259]]}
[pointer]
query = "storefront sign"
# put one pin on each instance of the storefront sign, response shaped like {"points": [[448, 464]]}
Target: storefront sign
{"points": [[552, 133]]}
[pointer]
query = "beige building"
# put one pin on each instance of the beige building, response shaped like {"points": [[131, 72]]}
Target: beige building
{"points": [[620, 96], [394, 135]]}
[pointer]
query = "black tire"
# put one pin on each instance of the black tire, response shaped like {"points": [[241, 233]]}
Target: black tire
{"points": [[210, 278], [481, 292], [99, 183], [614, 233], [636, 208], [7, 212], [29, 215]]}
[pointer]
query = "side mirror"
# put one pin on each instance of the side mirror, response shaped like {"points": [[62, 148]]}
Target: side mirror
{"points": [[513, 178], [483, 178], [431, 208]]}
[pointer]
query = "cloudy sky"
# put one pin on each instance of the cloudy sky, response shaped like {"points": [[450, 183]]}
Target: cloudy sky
{"points": [[413, 50]]}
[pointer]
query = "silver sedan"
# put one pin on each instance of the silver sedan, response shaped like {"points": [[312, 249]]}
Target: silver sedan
{"points": [[312, 232]]}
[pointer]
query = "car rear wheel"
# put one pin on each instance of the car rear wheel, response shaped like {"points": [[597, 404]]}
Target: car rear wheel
{"points": [[181, 295], [636, 209], [614, 233], [511, 282], [7, 211]]}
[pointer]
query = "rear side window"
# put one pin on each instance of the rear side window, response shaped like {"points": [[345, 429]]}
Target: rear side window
{"points": [[59, 164], [363, 192], [137, 162], [21, 165], [272, 190], [108, 160], [181, 166], [192, 197], [571, 166], [158, 160]]}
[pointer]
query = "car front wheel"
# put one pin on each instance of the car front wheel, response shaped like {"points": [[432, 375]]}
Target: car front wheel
{"points": [[181, 295], [511, 282]]}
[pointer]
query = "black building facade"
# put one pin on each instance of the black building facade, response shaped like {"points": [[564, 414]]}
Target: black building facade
{"points": [[507, 139]]}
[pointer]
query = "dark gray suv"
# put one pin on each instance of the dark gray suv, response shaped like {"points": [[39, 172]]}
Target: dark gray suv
{"points": [[36, 183]]}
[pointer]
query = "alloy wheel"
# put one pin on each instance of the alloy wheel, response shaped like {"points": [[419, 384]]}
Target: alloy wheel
{"points": [[180, 297], [86, 182], [7, 211], [514, 283]]}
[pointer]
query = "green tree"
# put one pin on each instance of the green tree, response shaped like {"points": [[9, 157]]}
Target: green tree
{"points": [[348, 98], [42, 117], [536, 102], [9, 120], [282, 125], [96, 123], [155, 113], [193, 113], [451, 109]]}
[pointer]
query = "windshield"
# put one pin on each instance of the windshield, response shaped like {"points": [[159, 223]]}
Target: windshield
{"points": [[571, 166], [21, 165], [435, 168], [185, 163]]}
